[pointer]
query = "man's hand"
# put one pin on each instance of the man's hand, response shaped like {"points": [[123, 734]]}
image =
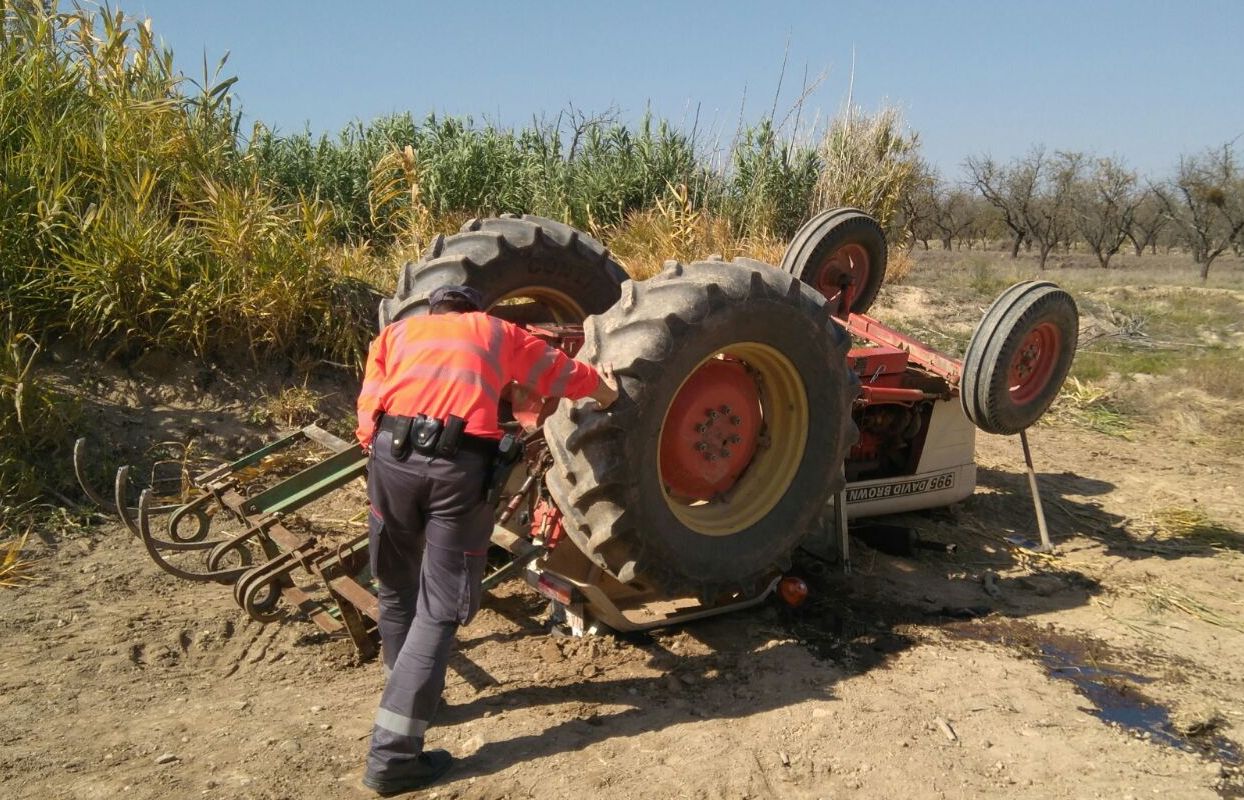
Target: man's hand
{"points": [[607, 391]]}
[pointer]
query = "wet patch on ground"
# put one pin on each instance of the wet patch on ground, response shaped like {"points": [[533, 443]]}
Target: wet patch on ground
{"points": [[863, 632], [1106, 677]]}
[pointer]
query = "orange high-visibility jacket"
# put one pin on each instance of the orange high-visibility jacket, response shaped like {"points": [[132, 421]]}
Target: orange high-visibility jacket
{"points": [[457, 364]]}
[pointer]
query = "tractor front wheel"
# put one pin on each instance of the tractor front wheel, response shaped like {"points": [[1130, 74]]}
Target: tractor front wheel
{"points": [[841, 247], [1019, 356]]}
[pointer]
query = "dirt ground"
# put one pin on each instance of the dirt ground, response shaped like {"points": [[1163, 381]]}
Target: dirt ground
{"points": [[1113, 669]]}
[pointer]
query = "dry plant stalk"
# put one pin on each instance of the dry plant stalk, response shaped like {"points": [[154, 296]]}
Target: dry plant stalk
{"points": [[14, 569], [1163, 597], [395, 198]]}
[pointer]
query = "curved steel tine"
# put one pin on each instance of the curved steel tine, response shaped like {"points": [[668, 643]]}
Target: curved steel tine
{"points": [[180, 512], [79, 471], [222, 546], [124, 510], [119, 488], [153, 549]]}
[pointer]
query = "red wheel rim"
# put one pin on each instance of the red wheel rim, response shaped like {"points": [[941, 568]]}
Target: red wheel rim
{"points": [[1033, 363], [711, 431], [849, 262]]}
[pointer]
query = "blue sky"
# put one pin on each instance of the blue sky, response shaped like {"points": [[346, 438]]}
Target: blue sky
{"points": [[1144, 81]]}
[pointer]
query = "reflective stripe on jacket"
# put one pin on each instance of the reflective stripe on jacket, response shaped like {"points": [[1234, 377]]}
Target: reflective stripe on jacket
{"points": [[458, 364]]}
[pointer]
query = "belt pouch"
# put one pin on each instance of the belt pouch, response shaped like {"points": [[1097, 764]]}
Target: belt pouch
{"points": [[450, 436], [401, 437], [427, 432], [509, 451]]}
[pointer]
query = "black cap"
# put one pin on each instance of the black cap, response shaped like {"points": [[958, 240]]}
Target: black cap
{"points": [[463, 292]]}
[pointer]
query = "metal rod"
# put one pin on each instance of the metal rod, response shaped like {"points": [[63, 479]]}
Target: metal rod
{"points": [[840, 525], [1036, 494], [512, 566]]}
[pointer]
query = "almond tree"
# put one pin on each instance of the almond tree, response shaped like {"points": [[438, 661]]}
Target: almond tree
{"points": [[1205, 200], [1149, 219], [1049, 217], [1104, 208], [919, 205], [984, 223], [953, 216], [1010, 191]]}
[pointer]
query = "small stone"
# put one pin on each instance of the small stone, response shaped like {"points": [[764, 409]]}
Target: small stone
{"points": [[166, 758], [785, 758], [326, 727], [316, 709], [185, 740], [242, 706], [291, 746], [211, 784], [590, 671]]}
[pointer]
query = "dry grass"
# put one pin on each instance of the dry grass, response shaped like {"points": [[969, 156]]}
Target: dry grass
{"points": [[1191, 525], [34, 422], [1090, 406], [870, 161], [676, 230], [1161, 597], [16, 569], [294, 406], [899, 267]]}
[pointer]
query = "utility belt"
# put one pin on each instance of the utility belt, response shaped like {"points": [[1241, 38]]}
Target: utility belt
{"points": [[432, 437]]}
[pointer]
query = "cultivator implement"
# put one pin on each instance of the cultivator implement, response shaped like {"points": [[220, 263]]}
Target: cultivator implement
{"points": [[241, 527]]}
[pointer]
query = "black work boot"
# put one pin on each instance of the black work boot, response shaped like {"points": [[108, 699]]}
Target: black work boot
{"points": [[423, 771]]}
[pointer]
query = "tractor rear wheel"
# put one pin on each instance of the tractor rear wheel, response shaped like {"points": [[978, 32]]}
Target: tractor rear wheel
{"points": [[729, 435], [1019, 356], [528, 269], [836, 246]]}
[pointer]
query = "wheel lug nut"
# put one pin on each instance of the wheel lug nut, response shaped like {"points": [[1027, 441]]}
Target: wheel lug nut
{"points": [[701, 447], [712, 413], [735, 439], [701, 428], [736, 421], [725, 409]]}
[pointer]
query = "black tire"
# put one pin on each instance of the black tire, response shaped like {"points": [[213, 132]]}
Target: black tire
{"points": [[511, 256], [607, 477], [1019, 356], [810, 255]]}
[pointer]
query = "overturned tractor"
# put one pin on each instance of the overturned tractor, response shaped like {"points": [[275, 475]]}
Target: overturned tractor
{"points": [[746, 411]]}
